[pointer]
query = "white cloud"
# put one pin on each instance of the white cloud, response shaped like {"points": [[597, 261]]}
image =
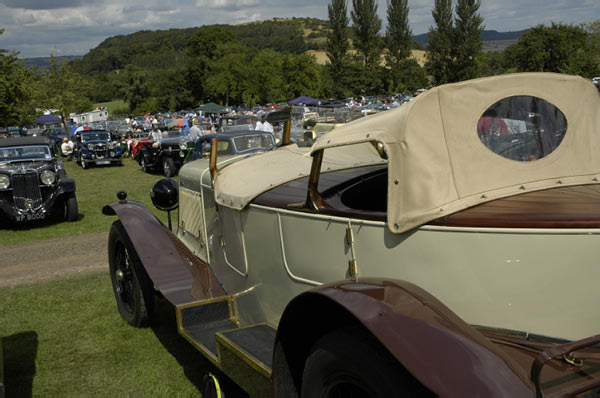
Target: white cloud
{"points": [[33, 27]]}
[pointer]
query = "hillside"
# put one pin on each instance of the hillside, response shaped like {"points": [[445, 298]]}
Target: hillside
{"points": [[492, 39], [163, 49]]}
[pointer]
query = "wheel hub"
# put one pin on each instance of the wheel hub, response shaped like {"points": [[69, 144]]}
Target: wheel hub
{"points": [[119, 275]]}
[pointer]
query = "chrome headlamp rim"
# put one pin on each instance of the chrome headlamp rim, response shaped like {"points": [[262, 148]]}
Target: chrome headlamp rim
{"points": [[4, 181], [183, 145], [47, 177], [90, 147]]}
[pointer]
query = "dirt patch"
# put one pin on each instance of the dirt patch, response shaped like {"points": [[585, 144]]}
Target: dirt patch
{"points": [[53, 259]]}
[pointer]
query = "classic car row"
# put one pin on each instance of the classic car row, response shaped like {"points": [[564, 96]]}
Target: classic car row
{"points": [[33, 182], [444, 248]]}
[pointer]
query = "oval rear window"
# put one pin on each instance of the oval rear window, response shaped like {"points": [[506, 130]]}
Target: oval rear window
{"points": [[522, 128]]}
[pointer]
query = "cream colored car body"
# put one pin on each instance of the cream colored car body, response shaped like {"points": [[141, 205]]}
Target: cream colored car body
{"points": [[541, 281]]}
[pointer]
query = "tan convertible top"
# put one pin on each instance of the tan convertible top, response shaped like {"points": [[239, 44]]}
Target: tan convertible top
{"points": [[437, 162]]}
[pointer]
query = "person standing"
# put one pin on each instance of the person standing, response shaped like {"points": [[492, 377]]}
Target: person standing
{"points": [[195, 132]]}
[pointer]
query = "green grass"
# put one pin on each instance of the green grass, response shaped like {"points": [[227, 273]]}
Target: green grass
{"points": [[112, 106], [95, 187], [67, 338]]}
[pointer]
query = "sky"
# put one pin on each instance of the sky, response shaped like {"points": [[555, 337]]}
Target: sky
{"points": [[37, 28]]}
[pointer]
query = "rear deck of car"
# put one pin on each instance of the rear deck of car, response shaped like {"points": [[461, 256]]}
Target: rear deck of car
{"points": [[361, 193]]}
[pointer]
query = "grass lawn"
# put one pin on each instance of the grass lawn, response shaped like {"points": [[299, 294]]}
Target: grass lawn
{"points": [[67, 338], [95, 187], [113, 105]]}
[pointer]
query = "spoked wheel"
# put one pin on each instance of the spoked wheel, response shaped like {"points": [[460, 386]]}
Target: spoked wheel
{"points": [[143, 164], [132, 287], [351, 363], [169, 168], [84, 165]]}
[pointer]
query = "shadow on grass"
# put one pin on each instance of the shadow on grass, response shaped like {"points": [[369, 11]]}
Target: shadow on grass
{"points": [[194, 364], [20, 351]]}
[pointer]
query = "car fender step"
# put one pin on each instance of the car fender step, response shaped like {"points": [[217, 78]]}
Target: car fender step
{"points": [[244, 354]]}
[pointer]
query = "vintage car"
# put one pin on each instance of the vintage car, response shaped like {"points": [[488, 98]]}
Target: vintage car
{"points": [[167, 155], [33, 182], [233, 143], [95, 147], [448, 247]]}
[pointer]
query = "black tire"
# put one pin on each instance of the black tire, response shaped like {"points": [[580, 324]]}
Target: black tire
{"points": [[71, 210], [133, 289], [351, 363], [169, 168], [143, 163]]}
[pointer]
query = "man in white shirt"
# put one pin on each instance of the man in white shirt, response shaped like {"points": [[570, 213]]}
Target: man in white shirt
{"points": [[67, 148], [195, 132]]}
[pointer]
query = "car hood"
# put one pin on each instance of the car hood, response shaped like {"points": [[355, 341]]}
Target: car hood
{"points": [[22, 167], [174, 140]]}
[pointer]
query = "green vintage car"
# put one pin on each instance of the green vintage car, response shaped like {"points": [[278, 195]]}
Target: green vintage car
{"points": [[446, 247]]}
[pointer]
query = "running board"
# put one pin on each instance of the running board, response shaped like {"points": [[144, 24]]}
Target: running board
{"points": [[244, 354]]}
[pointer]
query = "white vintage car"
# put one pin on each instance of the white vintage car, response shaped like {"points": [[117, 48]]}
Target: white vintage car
{"points": [[447, 247]]}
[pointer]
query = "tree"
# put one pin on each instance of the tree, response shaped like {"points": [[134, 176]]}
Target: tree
{"points": [[558, 48], [15, 89], [366, 26], [227, 72], [337, 45], [440, 64], [398, 39], [136, 88], [468, 26], [201, 50], [301, 75], [62, 89], [593, 30]]}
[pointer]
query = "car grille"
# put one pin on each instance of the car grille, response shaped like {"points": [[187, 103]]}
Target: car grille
{"points": [[101, 151], [26, 191]]}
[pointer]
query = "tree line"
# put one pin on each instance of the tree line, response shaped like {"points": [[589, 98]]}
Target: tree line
{"points": [[251, 64]]}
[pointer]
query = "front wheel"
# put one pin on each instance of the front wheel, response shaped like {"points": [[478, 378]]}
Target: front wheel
{"points": [[351, 363], [143, 163], [133, 289], [84, 165], [71, 210], [169, 168]]}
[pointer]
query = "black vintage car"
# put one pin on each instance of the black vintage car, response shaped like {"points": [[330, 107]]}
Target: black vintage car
{"points": [[33, 182], [95, 147], [168, 154]]}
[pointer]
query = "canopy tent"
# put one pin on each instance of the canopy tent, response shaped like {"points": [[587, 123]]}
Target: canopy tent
{"points": [[304, 100], [211, 107], [47, 119]]}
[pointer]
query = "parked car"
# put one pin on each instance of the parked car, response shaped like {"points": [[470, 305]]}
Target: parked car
{"points": [[448, 247], [33, 182], [95, 147], [233, 143], [168, 154], [56, 134]]}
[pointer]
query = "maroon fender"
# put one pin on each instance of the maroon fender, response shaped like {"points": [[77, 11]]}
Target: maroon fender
{"points": [[439, 349], [174, 270]]}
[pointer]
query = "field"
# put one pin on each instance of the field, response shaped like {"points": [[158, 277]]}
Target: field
{"points": [[117, 106], [95, 187], [66, 337]]}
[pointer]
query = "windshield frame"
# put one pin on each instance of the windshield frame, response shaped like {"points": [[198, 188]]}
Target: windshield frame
{"points": [[97, 132], [235, 146], [47, 156]]}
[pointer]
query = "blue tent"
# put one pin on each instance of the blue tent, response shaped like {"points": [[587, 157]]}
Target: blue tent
{"points": [[304, 100], [46, 119]]}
